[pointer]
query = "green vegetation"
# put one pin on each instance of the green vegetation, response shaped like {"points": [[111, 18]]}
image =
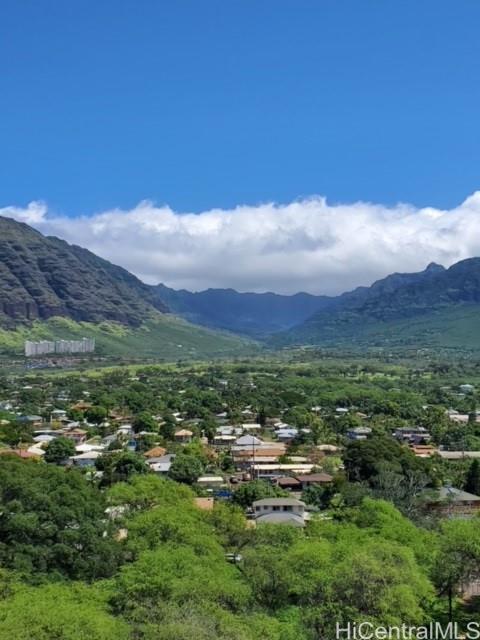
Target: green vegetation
{"points": [[51, 523], [166, 337], [59, 450], [449, 328], [435, 308], [112, 550]]}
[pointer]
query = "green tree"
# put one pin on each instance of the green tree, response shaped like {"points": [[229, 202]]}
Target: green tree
{"points": [[365, 458], [63, 611], [458, 559], [186, 468], [144, 421], [53, 521], [59, 450], [15, 433], [96, 414], [120, 466], [208, 427], [145, 442], [143, 492], [167, 428], [249, 492], [318, 496], [472, 482]]}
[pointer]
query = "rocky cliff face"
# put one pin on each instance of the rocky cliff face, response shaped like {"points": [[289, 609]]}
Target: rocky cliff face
{"points": [[41, 277]]}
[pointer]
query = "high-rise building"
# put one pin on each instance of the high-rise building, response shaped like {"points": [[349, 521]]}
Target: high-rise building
{"points": [[45, 347]]}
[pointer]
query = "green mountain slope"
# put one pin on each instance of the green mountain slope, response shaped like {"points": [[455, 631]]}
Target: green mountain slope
{"points": [[165, 337], [435, 307]]}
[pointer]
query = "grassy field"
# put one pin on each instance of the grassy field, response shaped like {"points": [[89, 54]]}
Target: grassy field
{"points": [[166, 337]]}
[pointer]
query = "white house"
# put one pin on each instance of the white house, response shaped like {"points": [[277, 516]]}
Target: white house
{"points": [[279, 511]]}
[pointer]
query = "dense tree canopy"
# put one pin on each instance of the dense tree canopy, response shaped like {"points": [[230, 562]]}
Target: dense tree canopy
{"points": [[52, 521], [59, 450], [126, 554]]}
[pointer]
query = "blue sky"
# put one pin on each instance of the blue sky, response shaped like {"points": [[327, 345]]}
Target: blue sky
{"points": [[203, 103], [117, 119]]}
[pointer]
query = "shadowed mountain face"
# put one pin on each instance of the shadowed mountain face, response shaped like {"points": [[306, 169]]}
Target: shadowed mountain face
{"points": [[41, 277], [253, 314], [434, 299], [301, 316]]}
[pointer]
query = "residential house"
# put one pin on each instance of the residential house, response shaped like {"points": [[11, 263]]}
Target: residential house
{"points": [[86, 448], [125, 430], [359, 433], [86, 459], [183, 436], [59, 415], [247, 442], [248, 414], [286, 435], [251, 426], [423, 450], [161, 465], [459, 455], [279, 511], [244, 458], [77, 435], [277, 470], [229, 430], [412, 435], [453, 503], [34, 421], [289, 483], [314, 479], [44, 438], [328, 449], [220, 440]]}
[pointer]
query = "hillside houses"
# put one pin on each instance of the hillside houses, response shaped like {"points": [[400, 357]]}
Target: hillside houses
{"points": [[277, 430]]}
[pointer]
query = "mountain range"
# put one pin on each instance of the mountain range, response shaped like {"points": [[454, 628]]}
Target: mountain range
{"points": [[436, 307], [52, 290], [44, 277], [253, 314]]}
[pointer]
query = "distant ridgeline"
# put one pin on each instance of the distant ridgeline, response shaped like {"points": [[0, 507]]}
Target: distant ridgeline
{"points": [[44, 347]]}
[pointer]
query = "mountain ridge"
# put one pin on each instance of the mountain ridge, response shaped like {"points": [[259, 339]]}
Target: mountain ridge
{"points": [[395, 299], [44, 276], [253, 314]]}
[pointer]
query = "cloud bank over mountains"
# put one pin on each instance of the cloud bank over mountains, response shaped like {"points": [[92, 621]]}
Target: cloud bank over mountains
{"points": [[307, 245]]}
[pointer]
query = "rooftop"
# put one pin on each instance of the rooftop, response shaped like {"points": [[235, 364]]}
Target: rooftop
{"points": [[316, 477], [278, 502], [451, 494]]}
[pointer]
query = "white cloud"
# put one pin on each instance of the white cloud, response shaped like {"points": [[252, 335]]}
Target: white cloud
{"points": [[307, 245]]}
